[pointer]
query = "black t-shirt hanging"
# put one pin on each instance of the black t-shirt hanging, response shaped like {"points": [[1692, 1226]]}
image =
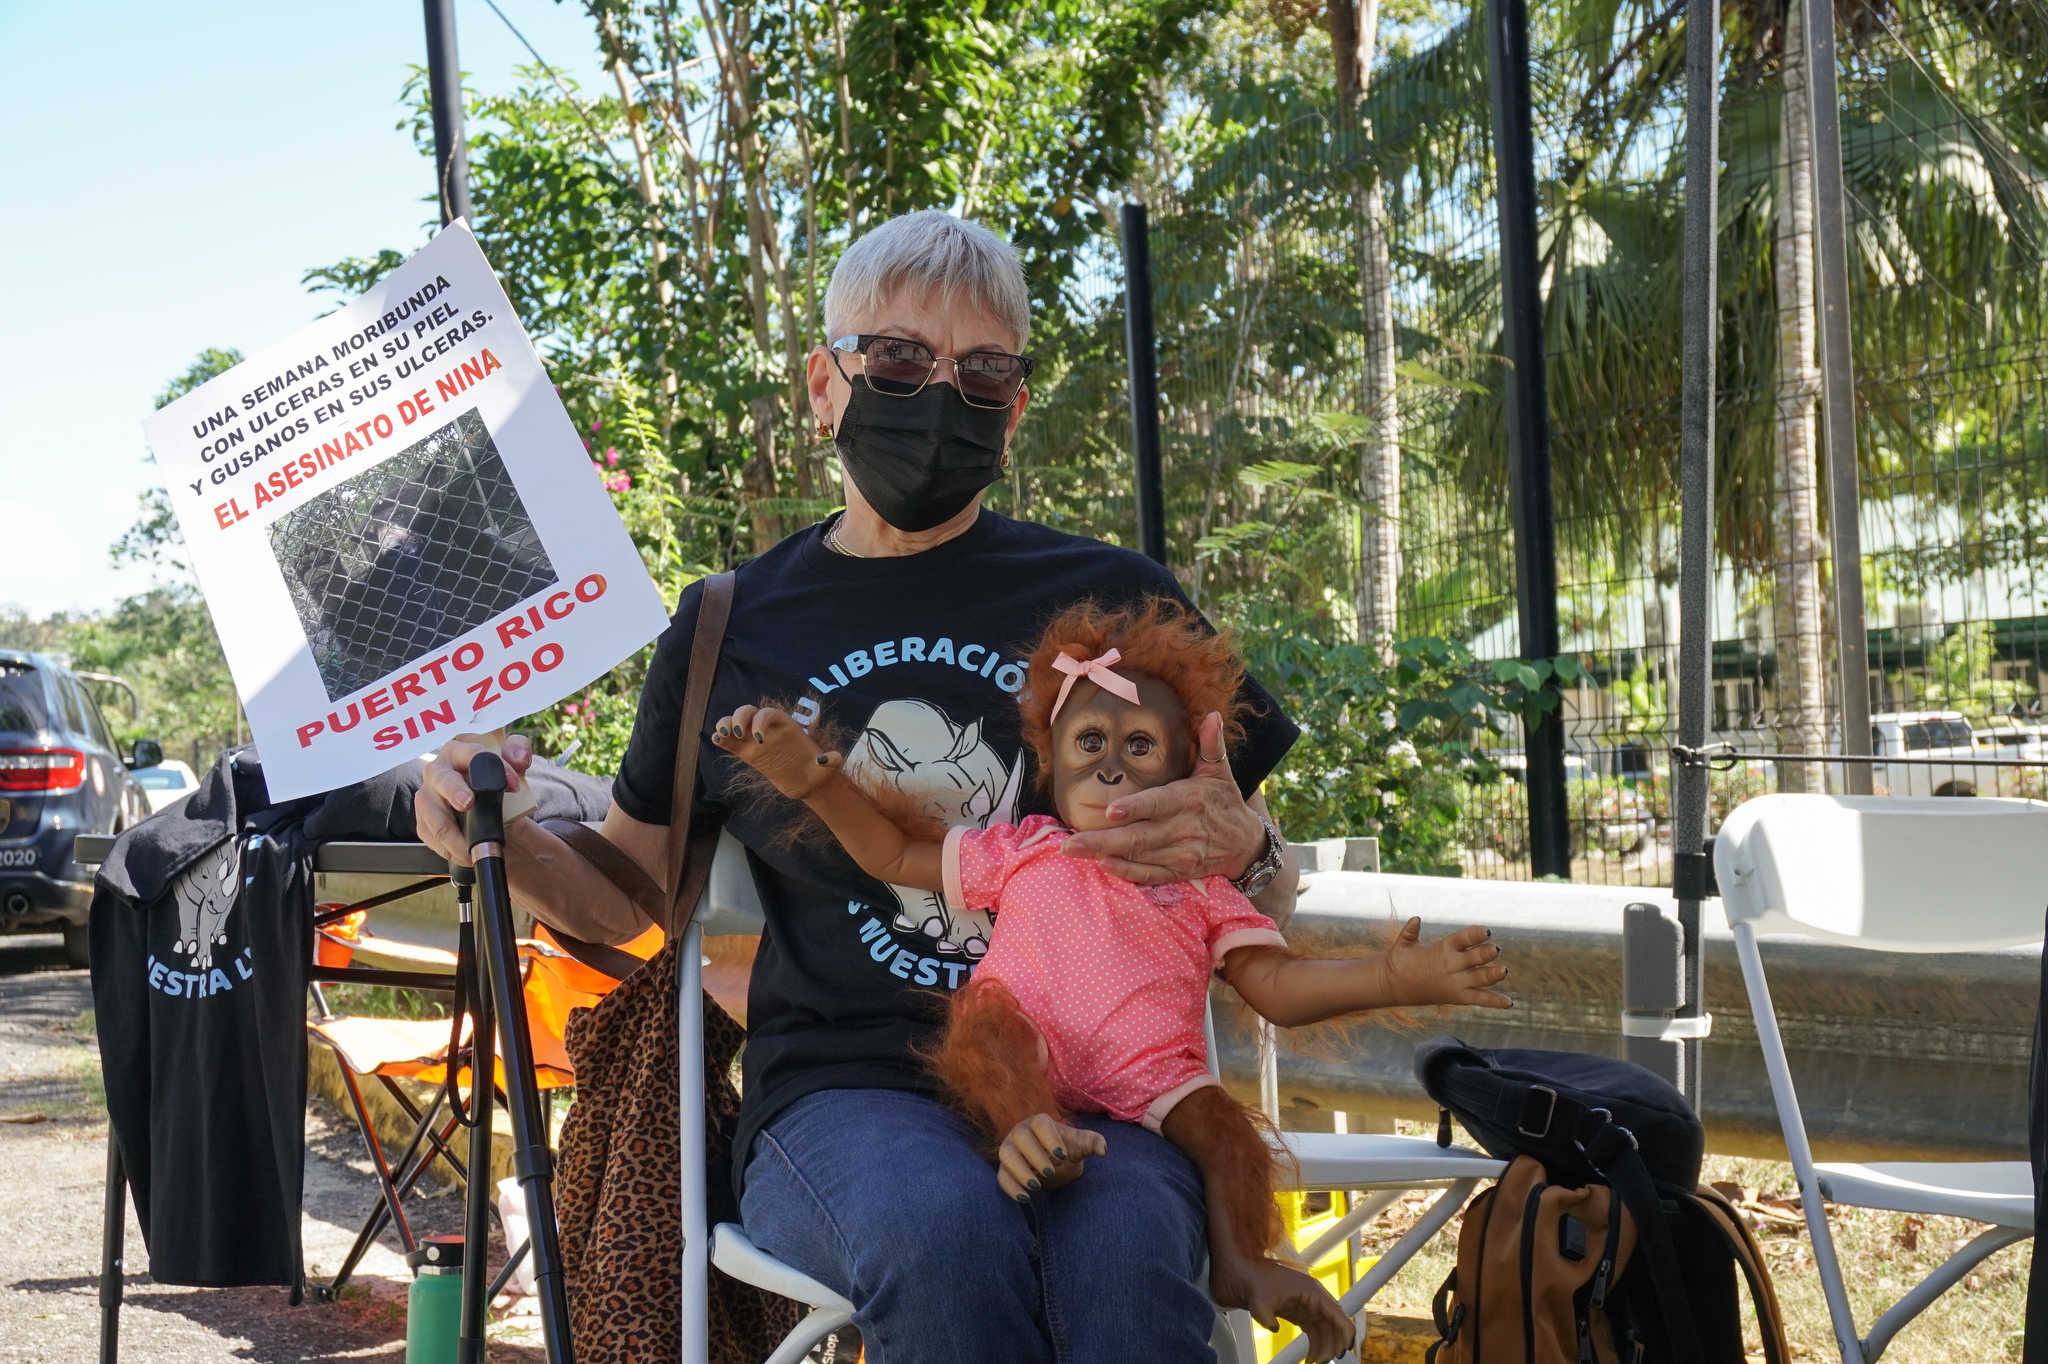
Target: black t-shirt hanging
{"points": [[202, 924], [917, 660]]}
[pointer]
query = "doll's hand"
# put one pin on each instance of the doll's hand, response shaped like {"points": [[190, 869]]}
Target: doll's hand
{"points": [[769, 741], [1043, 1153], [1453, 970]]}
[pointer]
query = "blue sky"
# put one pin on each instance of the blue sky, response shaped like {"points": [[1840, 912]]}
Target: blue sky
{"points": [[171, 171]]}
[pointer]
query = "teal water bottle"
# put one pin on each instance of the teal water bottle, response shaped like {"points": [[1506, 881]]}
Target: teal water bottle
{"points": [[433, 1306]]}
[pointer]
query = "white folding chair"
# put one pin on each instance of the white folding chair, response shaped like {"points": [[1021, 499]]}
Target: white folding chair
{"points": [[1898, 874], [1385, 1166]]}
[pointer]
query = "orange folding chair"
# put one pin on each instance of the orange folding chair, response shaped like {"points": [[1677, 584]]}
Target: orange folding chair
{"points": [[391, 1050]]}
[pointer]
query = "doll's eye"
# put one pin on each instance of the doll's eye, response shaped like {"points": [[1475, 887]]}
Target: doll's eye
{"points": [[1139, 745], [1089, 741]]}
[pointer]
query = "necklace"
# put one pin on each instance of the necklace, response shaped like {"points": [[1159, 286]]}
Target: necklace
{"points": [[832, 541]]}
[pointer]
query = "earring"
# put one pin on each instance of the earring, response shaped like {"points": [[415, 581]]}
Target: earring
{"points": [[1004, 467], [824, 430]]}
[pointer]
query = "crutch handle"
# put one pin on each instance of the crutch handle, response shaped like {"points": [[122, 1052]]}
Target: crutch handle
{"points": [[485, 822]]}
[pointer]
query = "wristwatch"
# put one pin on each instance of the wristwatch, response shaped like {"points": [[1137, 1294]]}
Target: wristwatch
{"points": [[1264, 867]]}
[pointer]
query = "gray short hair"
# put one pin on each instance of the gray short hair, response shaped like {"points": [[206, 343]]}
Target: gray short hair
{"points": [[930, 249]]}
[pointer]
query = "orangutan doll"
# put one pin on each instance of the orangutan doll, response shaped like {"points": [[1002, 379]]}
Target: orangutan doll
{"points": [[1092, 994]]}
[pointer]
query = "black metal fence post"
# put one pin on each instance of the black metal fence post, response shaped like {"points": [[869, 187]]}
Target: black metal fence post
{"points": [[1698, 327], [1838, 389], [1139, 346], [1514, 155], [444, 89]]}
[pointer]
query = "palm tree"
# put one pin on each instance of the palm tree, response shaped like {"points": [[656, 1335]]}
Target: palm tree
{"points": [[1946, 170], [1796, 608], [1354, 34]]}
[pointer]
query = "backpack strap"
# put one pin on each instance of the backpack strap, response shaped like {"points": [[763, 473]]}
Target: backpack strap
{"points": [[1743, 1248], [1611, 1149]]}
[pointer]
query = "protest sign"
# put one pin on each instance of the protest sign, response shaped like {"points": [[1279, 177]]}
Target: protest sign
{"points": [[397, 530]]}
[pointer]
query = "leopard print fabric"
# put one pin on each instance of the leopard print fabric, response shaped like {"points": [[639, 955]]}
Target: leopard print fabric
{"points": [[616, 1179]]}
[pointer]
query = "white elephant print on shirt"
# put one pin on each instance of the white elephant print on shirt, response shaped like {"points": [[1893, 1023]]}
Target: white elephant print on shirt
{"points": [[917, 748], [206, 896]]}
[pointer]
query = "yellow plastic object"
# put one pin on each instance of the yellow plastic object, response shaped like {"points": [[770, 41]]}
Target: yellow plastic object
{"points": [[1303, 1218]]}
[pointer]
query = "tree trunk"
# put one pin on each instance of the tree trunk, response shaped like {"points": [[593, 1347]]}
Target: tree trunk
{"points": [[1801, 700], [649, 186], [1354, 31]]}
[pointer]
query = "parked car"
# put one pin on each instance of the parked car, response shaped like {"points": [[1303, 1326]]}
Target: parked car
{"points": [[61, 775], [2025, 743], [1930, 734], [169, 782]]}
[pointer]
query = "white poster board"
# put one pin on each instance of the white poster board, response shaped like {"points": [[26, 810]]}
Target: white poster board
{"points": [[397, 529]]}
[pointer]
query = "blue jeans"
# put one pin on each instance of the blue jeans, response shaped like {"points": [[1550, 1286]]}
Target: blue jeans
{"points": [[884, 1196]]}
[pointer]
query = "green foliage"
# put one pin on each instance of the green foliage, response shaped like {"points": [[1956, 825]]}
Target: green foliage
{"points": [[162, 642], [1388, 745], [1957, 675]]}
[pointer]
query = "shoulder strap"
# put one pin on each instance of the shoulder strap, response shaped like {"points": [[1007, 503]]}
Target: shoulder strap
{"points": [[688, 850], [682, 849], [1612, 1151], [1742, 1246]]}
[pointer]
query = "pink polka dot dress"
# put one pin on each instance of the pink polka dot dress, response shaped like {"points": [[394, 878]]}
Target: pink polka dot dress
{"points": [[1115, 975]]}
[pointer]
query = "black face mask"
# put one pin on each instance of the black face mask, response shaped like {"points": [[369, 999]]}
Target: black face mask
{"points": [[920, 460]]}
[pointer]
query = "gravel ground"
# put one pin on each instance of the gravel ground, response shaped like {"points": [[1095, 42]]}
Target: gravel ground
{"points": [[53, 1134]]}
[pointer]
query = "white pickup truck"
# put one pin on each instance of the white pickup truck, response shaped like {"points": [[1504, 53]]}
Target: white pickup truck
{"points": [[1932, 734]]}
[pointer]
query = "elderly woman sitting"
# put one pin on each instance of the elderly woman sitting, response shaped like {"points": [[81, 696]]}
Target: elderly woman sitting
{"points": [[900, 622]]}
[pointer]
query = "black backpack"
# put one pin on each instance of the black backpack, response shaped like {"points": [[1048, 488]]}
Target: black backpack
{"points": [[1596, 1121]]}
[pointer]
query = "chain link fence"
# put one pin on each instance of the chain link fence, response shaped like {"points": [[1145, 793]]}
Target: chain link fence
{"points": [[391, 564]]}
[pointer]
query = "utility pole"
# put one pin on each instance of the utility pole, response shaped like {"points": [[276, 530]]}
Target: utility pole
{"points": [[1141, 349], [1673, 1047], [444, 90], [1521, 301]]}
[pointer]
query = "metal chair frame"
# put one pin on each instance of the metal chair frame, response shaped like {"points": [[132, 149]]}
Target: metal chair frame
{"points": [[1381, 1166], [1754, 878]]}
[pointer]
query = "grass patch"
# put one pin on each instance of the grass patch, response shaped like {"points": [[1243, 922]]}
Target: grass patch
{"points": [[385, 1001]]}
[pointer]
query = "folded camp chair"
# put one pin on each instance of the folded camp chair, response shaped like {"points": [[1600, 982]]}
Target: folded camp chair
{"points": [[394, 1049], [1384, 1165], [1919, 874]]}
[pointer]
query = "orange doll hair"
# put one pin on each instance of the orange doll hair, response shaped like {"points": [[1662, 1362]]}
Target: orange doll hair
{"points": [[1158, 637]]}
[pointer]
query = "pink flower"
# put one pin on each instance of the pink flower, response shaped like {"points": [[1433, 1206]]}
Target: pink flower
{"points": [[570, 708], [611, 455], [597, 426], [619, 483]]}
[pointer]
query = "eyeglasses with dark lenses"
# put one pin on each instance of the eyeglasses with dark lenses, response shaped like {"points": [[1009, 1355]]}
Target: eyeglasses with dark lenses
{"points": [[900, 368]]}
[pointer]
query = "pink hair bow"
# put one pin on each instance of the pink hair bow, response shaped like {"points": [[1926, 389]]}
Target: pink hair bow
{"points": [[1096, 670]]}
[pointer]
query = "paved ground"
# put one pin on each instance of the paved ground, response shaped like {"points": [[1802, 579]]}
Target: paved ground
{"points": [[53, 1152]]}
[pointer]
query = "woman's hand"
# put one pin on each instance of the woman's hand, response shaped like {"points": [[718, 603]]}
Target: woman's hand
{"points": [[1185, 830], [444, 794], [1459, 969], [768, 740]]}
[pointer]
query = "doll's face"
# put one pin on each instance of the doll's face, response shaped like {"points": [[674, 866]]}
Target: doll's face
{"points": [[1103, 747]]}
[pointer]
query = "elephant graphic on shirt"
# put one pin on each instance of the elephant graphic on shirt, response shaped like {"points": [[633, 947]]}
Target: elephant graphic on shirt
{"points": [[206, 896], [915, 747]]}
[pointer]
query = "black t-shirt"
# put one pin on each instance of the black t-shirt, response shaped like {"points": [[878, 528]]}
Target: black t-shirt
{"points": [[917, 660]]}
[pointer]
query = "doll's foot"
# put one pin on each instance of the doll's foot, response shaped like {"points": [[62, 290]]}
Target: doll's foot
{"points": [[1271, 1292]]}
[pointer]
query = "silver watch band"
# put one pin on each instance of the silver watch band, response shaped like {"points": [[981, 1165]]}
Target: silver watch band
{"points": [[1264, 867]]}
